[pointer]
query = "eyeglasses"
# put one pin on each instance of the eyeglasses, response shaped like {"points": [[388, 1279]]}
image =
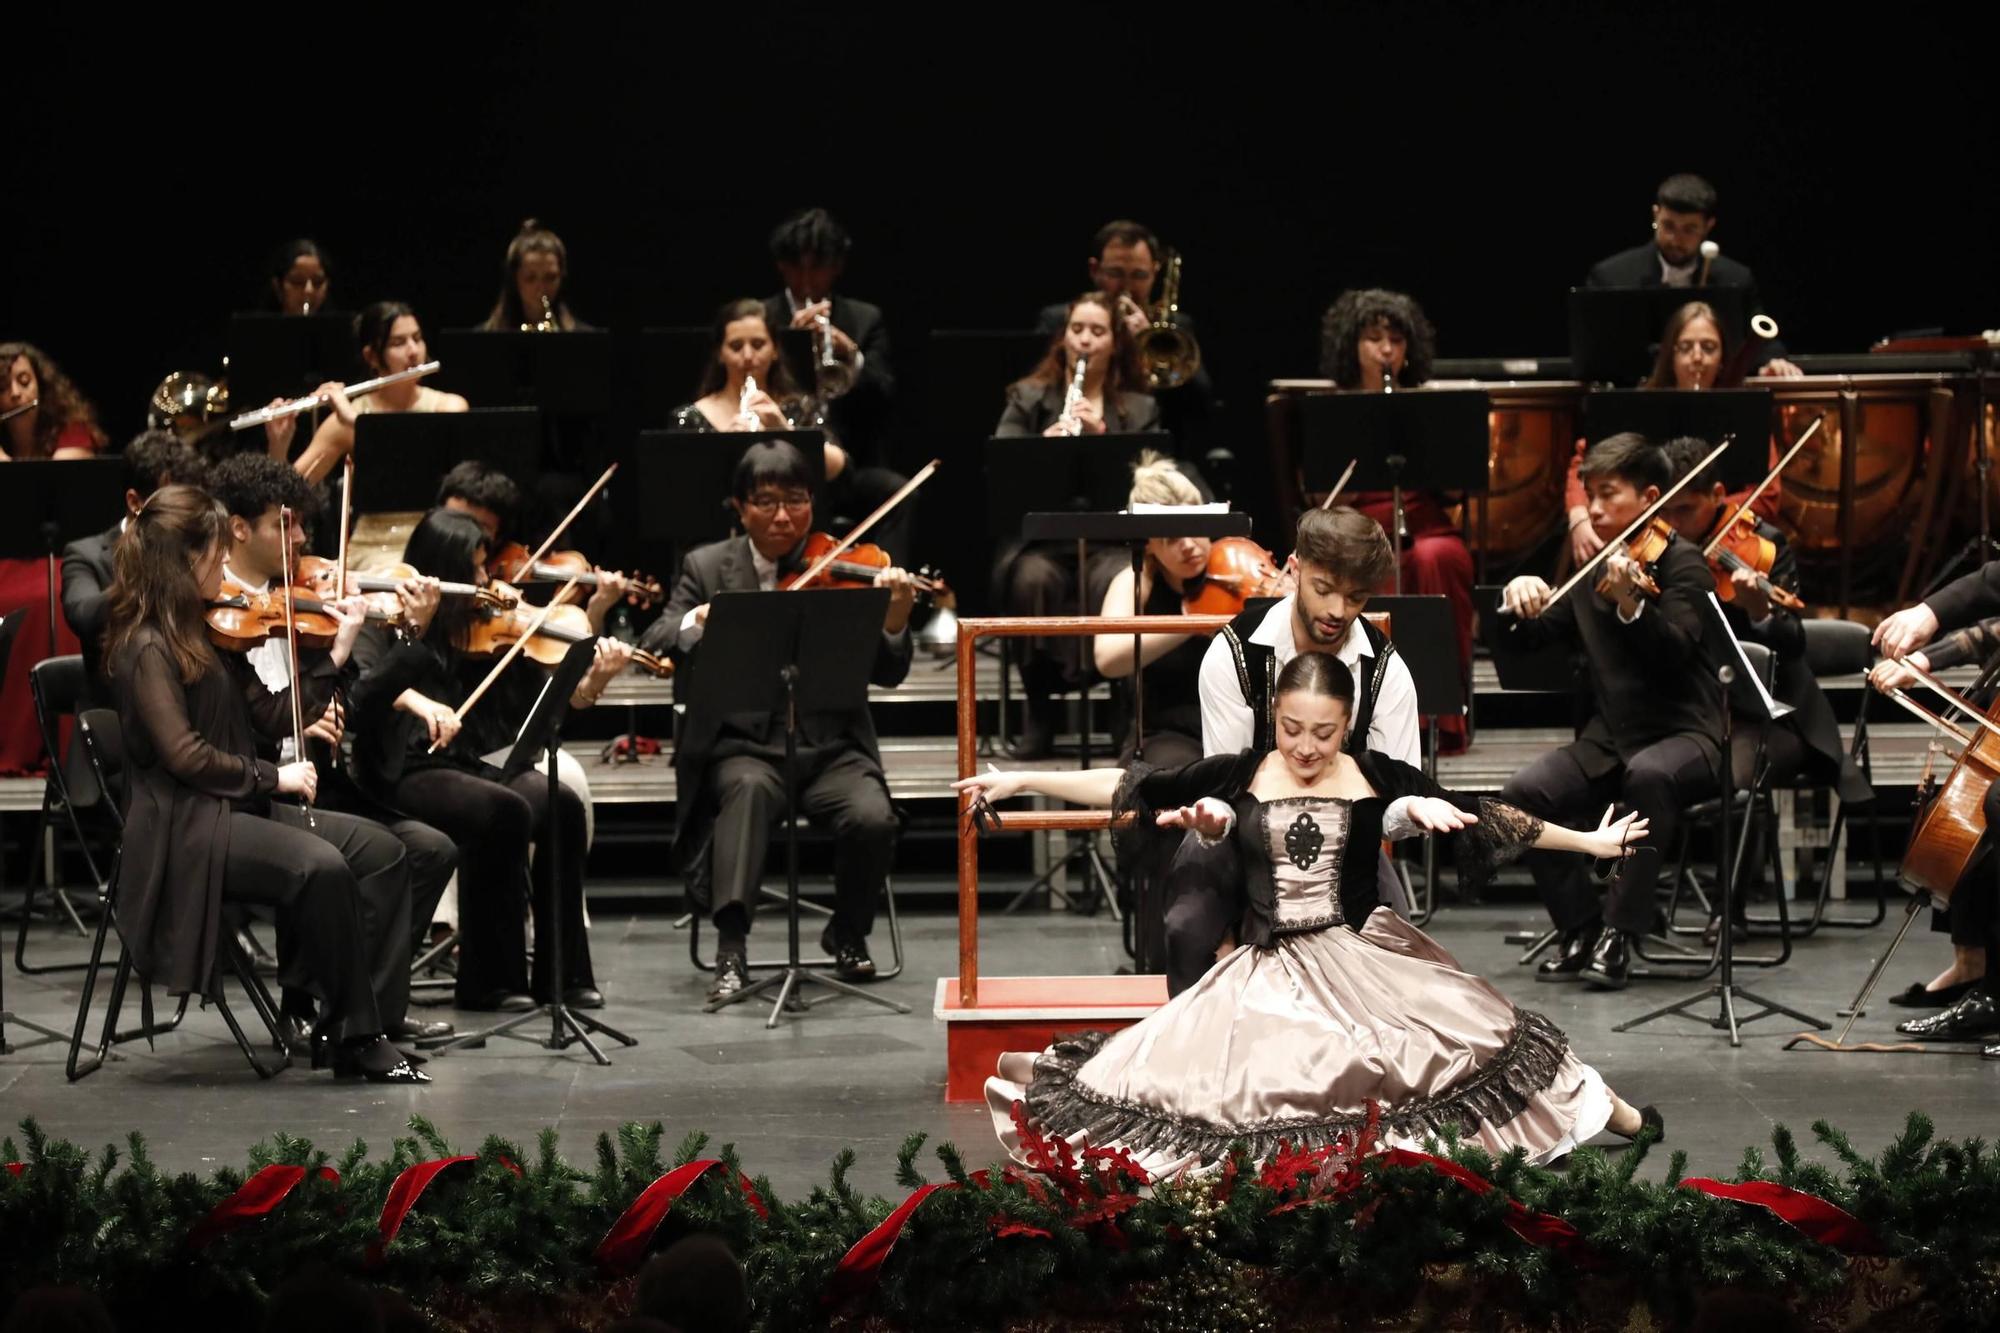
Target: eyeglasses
{"points": [[797, 501]]}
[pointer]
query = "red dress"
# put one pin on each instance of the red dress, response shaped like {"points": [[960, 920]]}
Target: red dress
{"points": [[24, 585]]}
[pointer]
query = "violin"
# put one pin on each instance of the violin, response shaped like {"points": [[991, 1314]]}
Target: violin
{"points": [[518, 564], [239, 621], [320, 577], [857, 566], [1644, 547], [1238, 569], [1738, 546], [495, 629]]}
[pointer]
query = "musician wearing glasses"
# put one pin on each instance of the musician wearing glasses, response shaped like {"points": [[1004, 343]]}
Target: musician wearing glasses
{"points": [[730, 770], [851, 370], [391, 341], [531, 285], [1371, 341]]}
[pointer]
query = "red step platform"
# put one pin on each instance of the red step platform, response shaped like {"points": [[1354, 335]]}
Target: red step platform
{"points": [[1026, 1014]]}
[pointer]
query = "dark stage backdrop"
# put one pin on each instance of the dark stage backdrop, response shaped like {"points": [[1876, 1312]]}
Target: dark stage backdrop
{"points": [[1479, 160]]}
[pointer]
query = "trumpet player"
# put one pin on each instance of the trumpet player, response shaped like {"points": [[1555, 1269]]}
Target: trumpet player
{"points": [[851, 373]]}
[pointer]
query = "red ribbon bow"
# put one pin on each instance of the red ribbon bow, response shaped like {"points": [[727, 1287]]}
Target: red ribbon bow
{"points": [[256, 1197], [626, 1243], [408, 1187]]}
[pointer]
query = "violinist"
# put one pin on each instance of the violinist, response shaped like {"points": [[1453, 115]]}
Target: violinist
{"points": [[401, 865], [415, 753], [201, 825], [485, 493], [391, 341], [1375, 340], [1652, 741], [730, 769]]}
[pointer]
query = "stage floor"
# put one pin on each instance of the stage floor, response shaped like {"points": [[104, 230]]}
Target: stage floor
{"points": [[850, 1074]]}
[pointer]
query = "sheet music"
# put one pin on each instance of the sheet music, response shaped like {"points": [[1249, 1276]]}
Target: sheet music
{"points": [[1744, 671]]}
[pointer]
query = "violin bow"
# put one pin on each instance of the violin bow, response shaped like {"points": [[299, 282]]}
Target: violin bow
{"points": [[1617, 543], [549, 543], [1762, 486], [812, 571], [1339, 486], [346, 517], [285, 520], [541, 617]]}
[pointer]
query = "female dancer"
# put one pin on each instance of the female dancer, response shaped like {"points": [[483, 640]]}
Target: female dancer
{"points": [[1331, 1003]]}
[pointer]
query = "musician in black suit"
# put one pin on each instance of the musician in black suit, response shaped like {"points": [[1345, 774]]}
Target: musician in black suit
{"points": [[154, 459], [730, 770], [1653, 738], [1127, 263], [810, 250], [1683, 217]]}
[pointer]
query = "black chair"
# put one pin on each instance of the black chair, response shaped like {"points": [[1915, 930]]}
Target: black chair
{"points": [[10, 626], [70, 794], [103, 744]]}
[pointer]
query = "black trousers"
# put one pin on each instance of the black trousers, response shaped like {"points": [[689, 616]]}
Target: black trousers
{"points": [[275, 862], [1144, 856], [841, 790], [1971, 921], [493, 825], [1573, 785], [393, 905]]}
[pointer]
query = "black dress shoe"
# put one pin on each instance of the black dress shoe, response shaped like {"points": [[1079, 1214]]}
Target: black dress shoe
{"points": [[1977, 1015], [1991, 1052], [584, 997], [415, 1029], [1610, 966], [497, 1002], [297, 1034], [377, 1061], [1572, 955], [1917, 997], [732, 974], [850, 956]]}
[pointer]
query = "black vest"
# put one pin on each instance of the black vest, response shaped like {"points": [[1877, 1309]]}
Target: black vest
{"points": [[1257, 675]]}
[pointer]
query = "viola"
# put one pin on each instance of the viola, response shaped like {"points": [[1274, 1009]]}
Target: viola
{"points": [[1644, 548], [1740, 547], [514, 562], [857, 567], [1238, 569], [495, 629]]}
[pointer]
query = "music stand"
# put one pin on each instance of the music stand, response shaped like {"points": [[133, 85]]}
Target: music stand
{"points": [[541, 741], [1547, 669], [1743, 690], [1712, 416], [286, 356], [1436, 439], [1614, 331], [1441, 691], [48, 503], [789, 654], [404, 454], [566, 374]]}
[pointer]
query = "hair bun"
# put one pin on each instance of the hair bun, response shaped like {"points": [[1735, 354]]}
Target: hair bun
{"points": [[530, 224]]}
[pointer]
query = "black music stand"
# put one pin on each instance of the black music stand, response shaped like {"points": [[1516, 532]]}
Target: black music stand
{"points": [[1711, 417], [403, 455], [541, 741], [1436, 439], [1742, 690], [565, 374], [802, 652], [1441, 691], [1614, 331], [286, 356], [48, 503]]}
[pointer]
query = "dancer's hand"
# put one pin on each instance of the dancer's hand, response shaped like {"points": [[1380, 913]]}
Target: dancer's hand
{"points": [[994, 784], [1210, 817], [1434, 814], [1615, 839]]}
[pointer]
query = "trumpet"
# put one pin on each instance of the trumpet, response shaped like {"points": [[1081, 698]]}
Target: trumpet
{"points": [[310, 401], [1168, 351], [835, 376], [1068, 421], [548, 323]]}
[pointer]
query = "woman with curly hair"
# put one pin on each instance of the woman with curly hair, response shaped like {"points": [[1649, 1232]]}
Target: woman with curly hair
{"points": [[1367, 339], [57, 423]]}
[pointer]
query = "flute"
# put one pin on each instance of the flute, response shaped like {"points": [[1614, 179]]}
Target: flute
{"points": [[306, 404]]}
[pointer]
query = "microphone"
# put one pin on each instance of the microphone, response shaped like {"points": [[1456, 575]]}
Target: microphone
{"points": [[1709, 250]]}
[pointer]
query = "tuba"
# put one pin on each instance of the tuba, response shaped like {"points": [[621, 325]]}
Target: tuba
{"points": [[1168, 351]]}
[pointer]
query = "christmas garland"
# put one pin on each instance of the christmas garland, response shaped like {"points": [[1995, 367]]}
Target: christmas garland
{"points": [[1338, 1235]]}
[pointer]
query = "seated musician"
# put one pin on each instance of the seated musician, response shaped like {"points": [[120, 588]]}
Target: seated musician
{"points": [[531, 285], [1368, 337], [1692, 356], [1339, 557], [46, 416], [153, 459], [730, 769], [202, 827], [401, 865], [391, 341], [810, 249], [415, 753], [301, 278], [1652, 740], [1041, 580], [1128, 264]]}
